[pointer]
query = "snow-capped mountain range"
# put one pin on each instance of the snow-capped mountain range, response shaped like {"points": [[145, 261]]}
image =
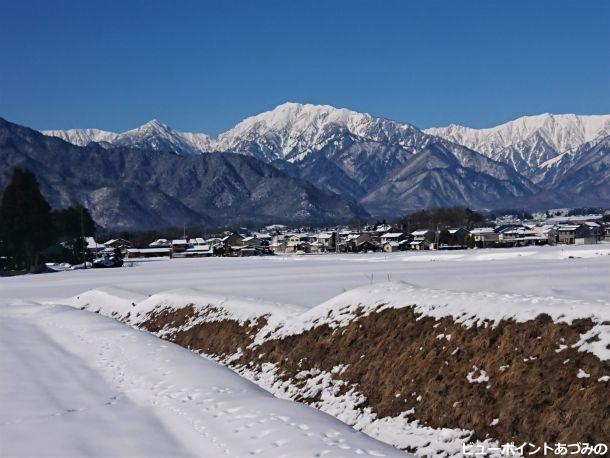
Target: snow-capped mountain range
{"points": [[152, 135], [291, 131], [391, 167], [529, 141]]}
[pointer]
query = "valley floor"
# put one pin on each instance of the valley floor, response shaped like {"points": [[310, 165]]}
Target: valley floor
{"points": [[558, 271], [77, 383]]}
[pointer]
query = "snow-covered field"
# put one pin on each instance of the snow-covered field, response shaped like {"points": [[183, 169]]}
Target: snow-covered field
{"points": [[76, 383], [563, 272]]}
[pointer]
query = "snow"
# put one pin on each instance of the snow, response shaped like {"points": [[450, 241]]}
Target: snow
{"points": [[399, 431], [582, 374], [153, 397], [292, 130], [568, 272], [467, 308], [468, 305], [82, 137], [289, 128], [100, 388], [481, 378], [562, 132], [154, 133]]}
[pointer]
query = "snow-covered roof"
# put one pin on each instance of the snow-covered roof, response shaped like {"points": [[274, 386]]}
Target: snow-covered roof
{"points": [[160, 242], [199, 248], [384, 228], [92, 244], [482, 230], [324, 236], [149, 250], [421, 232], [179, 242], [569, 228], [392, 235]]}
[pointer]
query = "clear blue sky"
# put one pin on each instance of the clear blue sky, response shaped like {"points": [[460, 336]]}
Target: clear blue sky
{"points": [[203, 66]]}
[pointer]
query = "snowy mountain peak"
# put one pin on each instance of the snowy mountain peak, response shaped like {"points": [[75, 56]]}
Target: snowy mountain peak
{"points": [[151, 128], [528, 141], [82, 137], [153, 135], [153, 125], [291, 130], [563, 131]]}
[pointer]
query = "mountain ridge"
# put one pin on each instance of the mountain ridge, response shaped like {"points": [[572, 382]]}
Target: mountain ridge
{"points": [[529, 141], [129, 188], [359, 155]]}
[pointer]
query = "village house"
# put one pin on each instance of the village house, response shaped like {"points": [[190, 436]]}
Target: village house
{"points": [[278, 244], [575, 235], [422, 244], [485, 237], [368, 246], [458, 236], [606, 233], [595, 230], [326, 241], [179, 245], [354, 242], [391, 247], [519, 236], [154, 252], [424, 235], [160, 243], [196, 250], [253, 245], [232, 240], [392, 237], [546, 233], [92, 246], [118, 243]]}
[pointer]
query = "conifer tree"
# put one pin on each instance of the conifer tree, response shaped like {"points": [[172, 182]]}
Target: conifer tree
{"points": [[26, 226]]}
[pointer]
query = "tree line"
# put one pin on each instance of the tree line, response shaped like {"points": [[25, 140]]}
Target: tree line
{"points": [[31, 233], [441, 218]]}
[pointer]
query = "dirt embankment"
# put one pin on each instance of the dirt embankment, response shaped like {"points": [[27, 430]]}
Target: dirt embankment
{"points": [[512, 382]]}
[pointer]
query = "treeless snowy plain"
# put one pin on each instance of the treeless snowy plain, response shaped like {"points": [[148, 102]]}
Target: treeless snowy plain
{"points": [[76, 383]]}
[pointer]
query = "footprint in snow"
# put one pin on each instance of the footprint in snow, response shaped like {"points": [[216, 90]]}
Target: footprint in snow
{"points": [[262, 434]]}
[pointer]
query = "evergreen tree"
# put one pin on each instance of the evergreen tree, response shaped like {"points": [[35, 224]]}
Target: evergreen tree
{"points": [[26, 225], [71, 225], [445, 237]]}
